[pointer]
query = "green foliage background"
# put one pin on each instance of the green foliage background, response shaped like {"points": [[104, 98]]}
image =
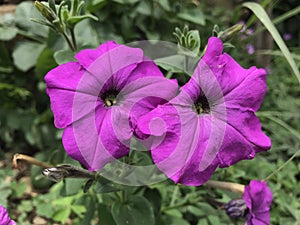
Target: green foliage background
{"points": [[29, 50]]}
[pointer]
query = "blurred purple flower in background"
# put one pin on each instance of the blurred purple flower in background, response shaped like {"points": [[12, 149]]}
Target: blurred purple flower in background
{"points": [[250, 49], [287, 36], [249, 31], [211, 122], [98, 99], [258, 198], [4, 217]]}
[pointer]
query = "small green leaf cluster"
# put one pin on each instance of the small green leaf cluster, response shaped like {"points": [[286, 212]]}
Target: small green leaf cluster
{"points": [[62, 18]]}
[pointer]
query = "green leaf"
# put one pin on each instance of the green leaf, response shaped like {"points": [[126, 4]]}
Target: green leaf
{"points": [[26, 11], [78, 209], [193, 15], [86, 35], [5, 192], [66, 201], [62, 214], [7, 33], [73, 20], [64, 56], [45, 62], [18, 189], [72, 186], [136, 211], [25, 206], [26, 54], [91, 205], [170, 220], [103, 185], [105, 215], [154, 197], [7, 27], [261, 14], [5, 62], [165, 5], [44, 209]]}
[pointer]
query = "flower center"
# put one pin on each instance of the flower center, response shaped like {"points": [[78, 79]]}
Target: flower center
{"points": [[201, 105], [109, 97]]}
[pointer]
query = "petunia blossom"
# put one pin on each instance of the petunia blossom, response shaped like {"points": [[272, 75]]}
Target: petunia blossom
{"points": [[258, 199], [4, 217], [98, 99], [255, 205], [211, 123]]}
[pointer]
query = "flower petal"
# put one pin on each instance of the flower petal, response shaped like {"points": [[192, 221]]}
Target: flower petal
{"points": [[114, 61], [88, 56], [184, 147], [249, 93], [146, 93], [94, 141], [258, 198], [71, 147], [243, 138], [248, 125], [64, 86], [4, 217], [244, 87]]}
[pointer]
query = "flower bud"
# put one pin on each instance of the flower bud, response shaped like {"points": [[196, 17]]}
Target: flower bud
{"points": [[236, 208], [230, 32], [45, 11]]}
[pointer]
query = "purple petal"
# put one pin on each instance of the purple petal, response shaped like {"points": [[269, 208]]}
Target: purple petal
{"points": [[250, 92], [94, 141], [88, 56], [183, 148], [145, 93], [62, 87], [258, 198], [232, 76], [71, 147], [4, 217], [114, 61], [234, 148], [248, 125]]}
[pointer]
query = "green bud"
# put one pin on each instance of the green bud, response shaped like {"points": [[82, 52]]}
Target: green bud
{"points": [[45, 11], [230, 32], [188, 40]]}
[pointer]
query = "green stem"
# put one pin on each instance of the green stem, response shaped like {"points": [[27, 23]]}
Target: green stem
{"points": [[228, 186], [174, 206], [186, 62], [68, 41], [186, 202], [283, 165], [152, 22], [73, 38], [174, 195], [169, 75]]}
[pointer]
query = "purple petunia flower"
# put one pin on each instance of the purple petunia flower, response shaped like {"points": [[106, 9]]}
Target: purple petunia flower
{"points": [[211, 123], [258, 199], [98, 99], [4, 217]]}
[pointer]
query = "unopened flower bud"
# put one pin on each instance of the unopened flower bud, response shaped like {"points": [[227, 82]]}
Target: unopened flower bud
{"points": [[231, 31], [236, 208], [45, 11]]}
